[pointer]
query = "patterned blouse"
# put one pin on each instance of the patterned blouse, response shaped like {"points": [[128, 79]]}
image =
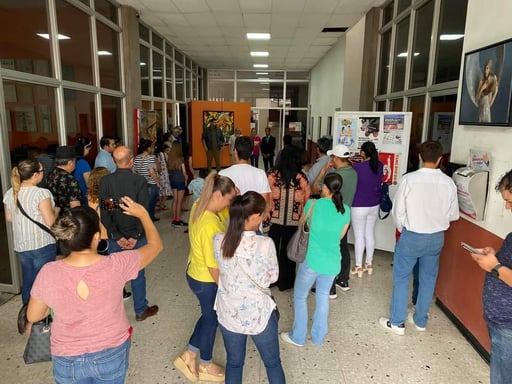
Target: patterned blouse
{"points": [[287, 204], [241, 306]]}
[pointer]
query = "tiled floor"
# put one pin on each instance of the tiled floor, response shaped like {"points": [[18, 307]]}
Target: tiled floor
{"points": [[356, 349]]}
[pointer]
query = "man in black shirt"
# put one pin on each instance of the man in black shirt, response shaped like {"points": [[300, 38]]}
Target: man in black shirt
{"points": [[268, 150], [126, 232], [213, 140]]}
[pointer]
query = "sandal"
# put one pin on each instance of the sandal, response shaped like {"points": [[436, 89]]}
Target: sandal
{"points": [[205, 375], [182, 363], [368, 268], [357, 270]]}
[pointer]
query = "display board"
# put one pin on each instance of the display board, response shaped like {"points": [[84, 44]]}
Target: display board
{"points": [[390, 132]]}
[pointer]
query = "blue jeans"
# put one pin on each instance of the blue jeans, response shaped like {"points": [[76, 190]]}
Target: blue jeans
{"points": [[267, 343], [31, 263], [501, 354], [415, 283], [305, 279], [107, 366], [140, 303], [412, 248], [255, 160], [153, 198], [203, 337]]}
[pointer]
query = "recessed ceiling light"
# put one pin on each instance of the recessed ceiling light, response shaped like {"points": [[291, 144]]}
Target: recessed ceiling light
{"points": [[258, 36], [47, 36], [104, 53], [262, 73], [142, 64], [259, 53], [451, 36], [404, 54], [260, 65]]}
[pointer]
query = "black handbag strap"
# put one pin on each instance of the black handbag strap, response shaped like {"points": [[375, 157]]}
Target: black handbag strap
{"points": [[42, 226]]}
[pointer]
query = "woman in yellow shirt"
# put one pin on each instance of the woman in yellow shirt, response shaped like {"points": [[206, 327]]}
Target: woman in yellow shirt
{"points": [[208, 217]]}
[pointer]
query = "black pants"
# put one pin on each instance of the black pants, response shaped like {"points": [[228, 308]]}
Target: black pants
{"points": [[281, 235], [268, 162], [345, 260]]}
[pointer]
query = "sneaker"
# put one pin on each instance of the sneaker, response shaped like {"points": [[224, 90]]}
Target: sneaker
{"points": [[285, 336], [368, 268], [357, 270], [332, 293], [396, 329], [343, 285], [410, 320], [126, 295], [178, 224]]}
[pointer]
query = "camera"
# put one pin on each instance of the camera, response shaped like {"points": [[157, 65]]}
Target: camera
{"points": [[110, 204]]}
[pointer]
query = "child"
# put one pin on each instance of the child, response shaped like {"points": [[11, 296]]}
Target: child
{"points": [[196, 185]]}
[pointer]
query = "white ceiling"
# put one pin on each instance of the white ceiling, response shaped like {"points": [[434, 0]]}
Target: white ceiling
{"points": [[212, 32]]}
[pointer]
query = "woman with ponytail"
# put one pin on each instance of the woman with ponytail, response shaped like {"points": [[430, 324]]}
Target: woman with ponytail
{"points": [[33, 245], [328, 223], [365, 207], [247, 266], [208, 217]]}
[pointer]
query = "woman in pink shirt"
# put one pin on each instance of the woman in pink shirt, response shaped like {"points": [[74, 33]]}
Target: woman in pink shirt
{"points": [[256, 140], [91, 335]]}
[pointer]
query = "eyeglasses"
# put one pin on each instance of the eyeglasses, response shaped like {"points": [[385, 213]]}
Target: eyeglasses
{"points": [[41, 170]]}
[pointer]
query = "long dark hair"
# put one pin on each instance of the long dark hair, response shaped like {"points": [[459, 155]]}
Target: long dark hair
{"points": [[241, 208], [75, 229], [288, 166], [334, 182], [371, 152]]}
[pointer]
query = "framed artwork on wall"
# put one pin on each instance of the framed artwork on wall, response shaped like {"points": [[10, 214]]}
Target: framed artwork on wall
{"points": [[225, 121], [486, 86]]}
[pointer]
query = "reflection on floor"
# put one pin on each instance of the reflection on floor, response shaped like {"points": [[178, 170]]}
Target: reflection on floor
{"points": [[356, 350]]}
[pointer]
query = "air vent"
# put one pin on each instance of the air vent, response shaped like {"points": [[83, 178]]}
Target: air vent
{"points": [[335, 29]]}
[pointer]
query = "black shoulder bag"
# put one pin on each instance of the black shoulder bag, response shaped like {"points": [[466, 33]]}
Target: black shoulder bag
{"points": [[40, 225]]}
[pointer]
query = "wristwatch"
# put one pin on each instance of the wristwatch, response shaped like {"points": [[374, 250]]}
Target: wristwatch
{"points": [[495, 271]]}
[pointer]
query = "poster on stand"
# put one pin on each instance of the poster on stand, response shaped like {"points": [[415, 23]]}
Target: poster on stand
{"points": [[443, 128], [368, 130], [390, 161], [346, 132], [393, 129]]}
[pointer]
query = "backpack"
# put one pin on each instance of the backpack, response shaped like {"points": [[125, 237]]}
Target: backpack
{"points": [[385, 204]]}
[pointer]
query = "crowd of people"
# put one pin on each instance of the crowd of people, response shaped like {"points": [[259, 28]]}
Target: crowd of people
{"points": [[95, 227]]}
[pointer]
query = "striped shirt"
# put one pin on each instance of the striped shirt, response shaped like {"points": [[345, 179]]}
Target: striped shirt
{"points": [[27, 235], [142, 165]]}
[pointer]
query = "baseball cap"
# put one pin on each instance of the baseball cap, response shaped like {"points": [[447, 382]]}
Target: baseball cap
{"points": [[65, 152], [340, 150]]}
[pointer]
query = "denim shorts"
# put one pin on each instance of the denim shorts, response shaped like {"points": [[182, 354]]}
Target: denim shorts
{"points": [[177, 180], [107, 366]]}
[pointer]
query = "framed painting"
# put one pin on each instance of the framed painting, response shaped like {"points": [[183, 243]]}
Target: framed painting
{"points": [[486, 86], [225, 121]]}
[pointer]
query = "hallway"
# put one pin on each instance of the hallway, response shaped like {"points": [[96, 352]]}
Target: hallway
{"points": [[356, 350]]}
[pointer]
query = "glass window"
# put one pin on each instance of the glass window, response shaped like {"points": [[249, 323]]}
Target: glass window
{"points": [[80, 118], [108, 56], [144, 71], [385, 47], [168, 79], [297, 75], [143, 33], [402, 5], [188, 84], [417, 107], [170, 113], [297, 93], [450, 40], [22, 49], [396, 105], [381, 106], [157, 41], [168, 49], [218, 90], [194, 87], [158, 68], [147, 105], [229, 75], [178, 56], [421, 45], [387, 15], [106, 8], [75, 52], [111, 113], [180, 88], [400, 55], [441, 122]]}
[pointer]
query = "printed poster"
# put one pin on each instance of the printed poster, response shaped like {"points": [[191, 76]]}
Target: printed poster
{"points": [[393, 129], [368, 130], [345, 132], [443, 130], [390, 161]]}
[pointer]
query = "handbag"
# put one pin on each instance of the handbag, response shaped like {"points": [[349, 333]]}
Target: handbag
{"points": [[37, 349], [298, 244], [385, 204]]}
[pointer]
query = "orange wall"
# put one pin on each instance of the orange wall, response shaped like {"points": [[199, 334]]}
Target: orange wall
{"points": [[460, 281], [242, 119]]}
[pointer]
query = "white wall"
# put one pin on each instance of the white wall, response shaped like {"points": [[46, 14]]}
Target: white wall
{"points": [[487, 23], [353, 67]]}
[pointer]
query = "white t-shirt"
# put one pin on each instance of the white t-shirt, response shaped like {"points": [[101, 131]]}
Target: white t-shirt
{"points": [[247, 178]]}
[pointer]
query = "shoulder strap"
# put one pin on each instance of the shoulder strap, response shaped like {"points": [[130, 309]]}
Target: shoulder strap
{"points": [[42, 226], [309, 214]]}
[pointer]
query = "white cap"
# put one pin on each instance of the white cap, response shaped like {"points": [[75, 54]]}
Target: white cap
{"points": [[340, 150]]}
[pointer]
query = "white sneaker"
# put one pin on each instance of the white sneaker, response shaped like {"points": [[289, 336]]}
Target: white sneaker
{"points": [[285, 336], [396, 329], [410, 320]]}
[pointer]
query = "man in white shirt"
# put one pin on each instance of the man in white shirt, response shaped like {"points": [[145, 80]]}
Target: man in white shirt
{"points": [[424, 205], [246, 177]]}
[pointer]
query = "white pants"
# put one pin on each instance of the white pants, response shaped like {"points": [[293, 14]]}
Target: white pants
{"points": [[363, 220]]}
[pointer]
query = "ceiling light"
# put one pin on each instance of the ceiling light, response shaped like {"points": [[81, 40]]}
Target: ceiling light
{"points": [[143, 64], [404, 54], [260, 65], [450, 36], [262, 73], [104, 53], [258, 36], [259, 53], [47, 36], [265, 89]]}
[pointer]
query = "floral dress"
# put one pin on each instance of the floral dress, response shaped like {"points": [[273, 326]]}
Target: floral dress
{"points": [[165, 185]]}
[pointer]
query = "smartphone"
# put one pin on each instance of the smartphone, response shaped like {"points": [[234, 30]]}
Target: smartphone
{"points": [[468, 247], [110, 204]]}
